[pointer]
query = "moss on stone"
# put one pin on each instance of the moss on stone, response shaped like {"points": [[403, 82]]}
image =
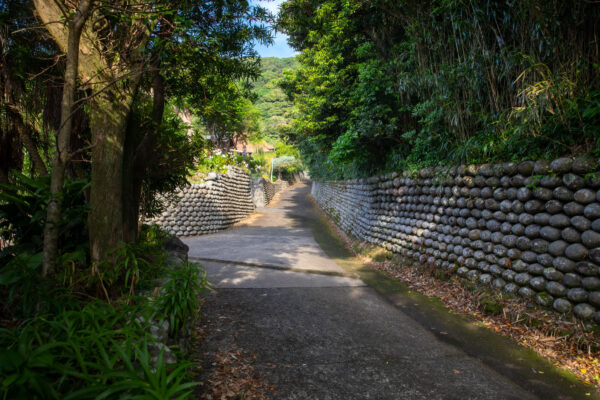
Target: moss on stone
{"points": [[491, 306]]}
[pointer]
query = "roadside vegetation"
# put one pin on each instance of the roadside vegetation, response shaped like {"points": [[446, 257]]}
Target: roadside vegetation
{"points": [[263, 122], [392, 85]]}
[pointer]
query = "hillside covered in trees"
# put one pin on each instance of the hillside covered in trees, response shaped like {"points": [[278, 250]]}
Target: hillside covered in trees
{"points": [[275, 109]]}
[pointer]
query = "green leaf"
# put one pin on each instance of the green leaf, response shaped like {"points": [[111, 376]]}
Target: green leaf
{"points": [[10, 360]]}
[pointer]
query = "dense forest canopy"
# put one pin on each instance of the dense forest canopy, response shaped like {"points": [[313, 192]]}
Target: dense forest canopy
{"points": [[387, 85]]}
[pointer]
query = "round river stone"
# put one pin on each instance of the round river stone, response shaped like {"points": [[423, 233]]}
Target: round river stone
{"points": [[584, 311], [578, 295], [571, 280], [581, 223], [576, 252], [562, 306], [592, 211], [585, 196], [590, 239], [563, 264], [561, 165], [573, 182]]}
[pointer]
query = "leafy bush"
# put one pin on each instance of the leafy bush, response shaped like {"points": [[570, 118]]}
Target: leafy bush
{"points": [[218, 163], [22, 219], [98, 351], [180, 301], [119, 275], [69, 347], [391, 85], [21, 279]]}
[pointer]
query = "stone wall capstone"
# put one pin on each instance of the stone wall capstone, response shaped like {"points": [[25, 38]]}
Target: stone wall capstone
{"points": [[529, 228], [216, 204]]}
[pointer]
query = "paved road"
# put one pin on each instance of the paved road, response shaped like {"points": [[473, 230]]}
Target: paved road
{"points": [[320, 333]]}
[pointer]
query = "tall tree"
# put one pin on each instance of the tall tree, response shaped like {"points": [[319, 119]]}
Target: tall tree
{"points": [[129, 44], [110, 64]]}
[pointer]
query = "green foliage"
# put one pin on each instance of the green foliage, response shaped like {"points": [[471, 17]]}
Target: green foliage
{"points": [[121, 272], [215, 163], [230, 116], [286, 167], [98, 351], [151, 238], [20, 278], [276, 111], [180, 300], [283, 149], [69, 347], [22, 218], [491, 306], [390, 85], [175, 146], [23, 214], [149, 248], [210, 72], [211, 162], [132, 266]]}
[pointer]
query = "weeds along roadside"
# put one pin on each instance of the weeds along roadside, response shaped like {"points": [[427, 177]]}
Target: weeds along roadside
{"points": [[120, 332]]}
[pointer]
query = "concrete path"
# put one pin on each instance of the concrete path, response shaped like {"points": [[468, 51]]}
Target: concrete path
{"points": [[318, 332]]}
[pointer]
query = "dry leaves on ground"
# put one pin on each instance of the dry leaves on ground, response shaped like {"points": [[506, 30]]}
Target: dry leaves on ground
{"points": [[231, 376], [234, 377]]}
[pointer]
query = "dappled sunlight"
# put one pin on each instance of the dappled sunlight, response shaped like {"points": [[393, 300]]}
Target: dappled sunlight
{"points": [[229, 275]]}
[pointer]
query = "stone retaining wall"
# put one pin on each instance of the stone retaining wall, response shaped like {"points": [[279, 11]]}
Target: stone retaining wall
{"points": [[263, 191], [531, 228], [216, 204]]}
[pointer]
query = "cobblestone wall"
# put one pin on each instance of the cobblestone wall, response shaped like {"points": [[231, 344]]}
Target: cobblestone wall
{"points": [[216, 204], [531, 228]]}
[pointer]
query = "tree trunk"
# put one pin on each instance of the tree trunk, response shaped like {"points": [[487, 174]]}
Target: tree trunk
{"points": [[132, 187], [61, 157], [25, 135], [109, 117], [141, 154]]}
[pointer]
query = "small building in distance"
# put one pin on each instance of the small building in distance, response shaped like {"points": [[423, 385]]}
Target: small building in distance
{"points": [[247, 149]]}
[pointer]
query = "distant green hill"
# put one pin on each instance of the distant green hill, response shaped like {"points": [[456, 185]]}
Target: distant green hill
{"points": [[274, 107]]}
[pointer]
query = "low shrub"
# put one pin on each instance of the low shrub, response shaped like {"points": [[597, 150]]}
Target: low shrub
{"points": [[60, 342], [97, 351], [176, 302]]}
